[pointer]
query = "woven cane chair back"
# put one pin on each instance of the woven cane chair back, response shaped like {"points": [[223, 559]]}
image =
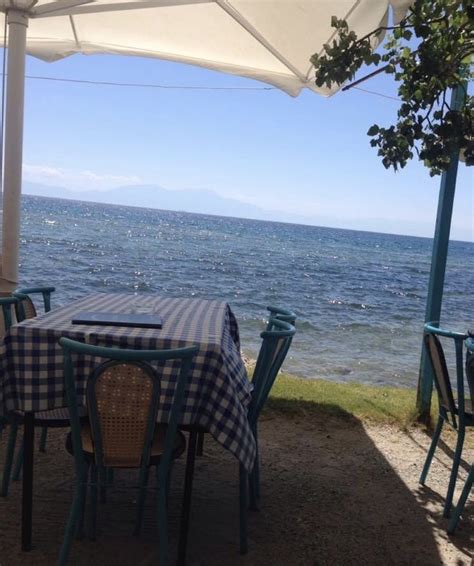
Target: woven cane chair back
{"points": [[29, 309], [122, 405]]}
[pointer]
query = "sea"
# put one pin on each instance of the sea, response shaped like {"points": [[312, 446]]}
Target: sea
{"points": [[360, 297]]}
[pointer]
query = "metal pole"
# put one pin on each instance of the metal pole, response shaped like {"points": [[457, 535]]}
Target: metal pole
{"points": [[438, 265], [17, 25]]}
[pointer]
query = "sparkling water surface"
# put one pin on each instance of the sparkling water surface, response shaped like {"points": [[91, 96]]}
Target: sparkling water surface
{"points": [[359, 296]]}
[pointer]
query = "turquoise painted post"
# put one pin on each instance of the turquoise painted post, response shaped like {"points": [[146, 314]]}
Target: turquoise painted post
{"points": [[438, 264]]}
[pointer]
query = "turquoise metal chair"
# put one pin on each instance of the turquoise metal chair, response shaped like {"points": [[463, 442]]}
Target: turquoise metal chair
{"points": [[274, 312], [122, 396], [470, 478], [26, 306], [276, 341], [58, 418], [26, 309], [290, 317], [458, 413], [8, 306]]}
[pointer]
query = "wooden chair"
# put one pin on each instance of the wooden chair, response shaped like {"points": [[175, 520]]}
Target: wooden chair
{"points": [[458, 413], [470, 478], [121, 432], [276, 341]]}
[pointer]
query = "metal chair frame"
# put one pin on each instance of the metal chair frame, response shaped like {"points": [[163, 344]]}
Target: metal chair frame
{"points": [[274, 312], [98, 471], [470, 478], [450, 411], [269, 361], [16, 303], [23, 294]]}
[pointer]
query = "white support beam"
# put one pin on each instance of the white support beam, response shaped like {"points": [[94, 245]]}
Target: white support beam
{"points": [[92, 7], [52, 8], [17, 26]]}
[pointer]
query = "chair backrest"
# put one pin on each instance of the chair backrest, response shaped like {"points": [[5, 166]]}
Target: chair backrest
{"points": [[281, 314], [440, 373], [441, 376], [470, 365], [26, 307], [7, 314], [276, 342], [122, 400]]}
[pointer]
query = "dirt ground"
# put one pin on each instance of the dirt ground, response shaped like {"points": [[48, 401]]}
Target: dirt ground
{"points": [[335, 492]]}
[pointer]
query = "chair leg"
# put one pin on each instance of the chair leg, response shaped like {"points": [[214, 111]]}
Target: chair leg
{"points": [[186, 507], [82, 508], [168, 484], [431, 451], [103, 485], [72, 522], [243, 505], [43, 437], [454, 472], [256, 469], [162, 517], [94, 491], [19, 463], [462, 502], [142, 487], [253, 499], [7, 469], [200, 444]]}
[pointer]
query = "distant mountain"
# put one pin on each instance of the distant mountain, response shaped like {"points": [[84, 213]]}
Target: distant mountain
{"points": [[153, 196]]}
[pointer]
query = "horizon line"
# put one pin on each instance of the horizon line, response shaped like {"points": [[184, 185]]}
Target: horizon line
{"points": [[234, 217]]}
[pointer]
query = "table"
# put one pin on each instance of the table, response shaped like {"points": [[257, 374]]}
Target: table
{"points": [[217, 396]]}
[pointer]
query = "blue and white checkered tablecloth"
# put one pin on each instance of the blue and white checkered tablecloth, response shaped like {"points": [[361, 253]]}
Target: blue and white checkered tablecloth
{"points": [[31, 361]]}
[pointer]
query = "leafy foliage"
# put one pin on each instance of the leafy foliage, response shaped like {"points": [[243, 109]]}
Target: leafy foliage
{"points": [[428, 53]]}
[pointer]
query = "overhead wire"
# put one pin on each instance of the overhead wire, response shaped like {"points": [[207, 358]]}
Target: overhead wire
{"points": [[148, 85]]}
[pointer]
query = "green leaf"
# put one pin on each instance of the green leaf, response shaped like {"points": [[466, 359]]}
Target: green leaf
{"points": [[428, 54]]}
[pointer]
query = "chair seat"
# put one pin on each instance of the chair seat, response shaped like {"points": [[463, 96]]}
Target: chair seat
{"points": [[54, 418], [156, 448]]}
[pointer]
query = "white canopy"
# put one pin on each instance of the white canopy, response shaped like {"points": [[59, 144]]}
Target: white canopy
{"points": [[267, 40]]}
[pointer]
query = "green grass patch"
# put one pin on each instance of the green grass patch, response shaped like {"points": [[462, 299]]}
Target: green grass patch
{"points": [[292, 395]]}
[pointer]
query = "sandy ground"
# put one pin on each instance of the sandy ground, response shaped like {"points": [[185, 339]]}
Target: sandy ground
{"points": [[335, 492]]}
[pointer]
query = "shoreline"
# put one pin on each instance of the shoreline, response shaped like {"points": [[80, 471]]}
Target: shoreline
{"points": [[374, 404]]}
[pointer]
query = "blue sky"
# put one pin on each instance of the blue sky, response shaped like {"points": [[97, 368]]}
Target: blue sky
{"points": [[305, 158]]}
